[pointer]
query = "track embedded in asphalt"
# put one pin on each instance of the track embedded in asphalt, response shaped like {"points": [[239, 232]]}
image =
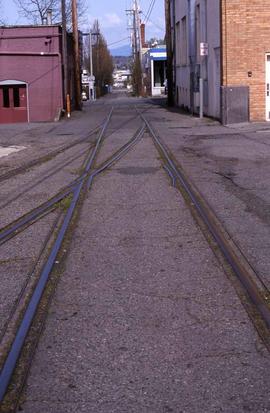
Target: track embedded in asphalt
{"points": [[256, 290]]}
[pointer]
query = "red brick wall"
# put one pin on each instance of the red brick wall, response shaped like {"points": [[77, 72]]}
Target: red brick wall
{"points": [[246, 39]]}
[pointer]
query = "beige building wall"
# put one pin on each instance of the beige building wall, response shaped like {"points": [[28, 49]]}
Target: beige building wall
{"points": [[182, 66]]}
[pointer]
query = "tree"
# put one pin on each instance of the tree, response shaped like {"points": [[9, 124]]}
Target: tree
{"points": [[137, 76], [155, 42], [35, 11], [1, 13], [102, 61]]}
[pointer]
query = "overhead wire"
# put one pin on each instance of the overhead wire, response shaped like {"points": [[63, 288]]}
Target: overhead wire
{"points": [[149, 11], [118, 41], [149, 7], [155, 24]]}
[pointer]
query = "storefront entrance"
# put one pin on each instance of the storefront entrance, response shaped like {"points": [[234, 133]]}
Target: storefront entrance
{"points": [[13, 102]]}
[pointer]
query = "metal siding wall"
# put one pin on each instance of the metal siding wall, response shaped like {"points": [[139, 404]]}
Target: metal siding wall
{"points": [[43, 76]]}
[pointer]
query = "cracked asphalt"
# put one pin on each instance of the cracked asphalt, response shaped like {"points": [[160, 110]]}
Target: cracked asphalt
{"points": [[144, 318]]}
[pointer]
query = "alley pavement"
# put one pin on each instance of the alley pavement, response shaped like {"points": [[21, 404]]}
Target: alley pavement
{"points": [[144, 317]]}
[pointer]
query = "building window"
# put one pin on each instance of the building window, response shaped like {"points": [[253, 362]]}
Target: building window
{"points": [[183, 41], [6, 103], [16, 97]]}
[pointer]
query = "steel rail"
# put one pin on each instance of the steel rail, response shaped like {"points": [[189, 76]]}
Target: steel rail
{"points": [[14, 353], [246, 280], [170, 173], [21, 169], [50, 173], [118, 155], [14, 228], [34, 162], [23, 291]]}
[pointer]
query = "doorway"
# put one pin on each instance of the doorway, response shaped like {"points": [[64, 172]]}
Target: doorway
{"points": [[13, 102]]}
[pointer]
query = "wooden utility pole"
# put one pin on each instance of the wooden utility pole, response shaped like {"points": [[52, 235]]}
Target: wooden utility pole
{"points": [[136, 48], [138, 28], [90, 54], [78, 105], [170, 68], [135, 33], [64, 52]]}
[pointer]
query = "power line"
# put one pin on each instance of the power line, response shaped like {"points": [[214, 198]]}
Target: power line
{"points": [[119, 41], [151, 21], [150, 5], [150, 9]]}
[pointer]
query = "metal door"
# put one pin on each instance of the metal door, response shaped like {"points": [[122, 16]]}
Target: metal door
{"points": [[267, 87]]}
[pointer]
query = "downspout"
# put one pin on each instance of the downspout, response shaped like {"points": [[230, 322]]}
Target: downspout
{"points": [[223, 60], [206, 33], [170, 69], [174, 49], [221, 42], [206, 57], [28, 104], [191, 52]]}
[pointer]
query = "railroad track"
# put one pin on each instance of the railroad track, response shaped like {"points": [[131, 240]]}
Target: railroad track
{"points": [[44, 158], [251, 282], [75, 191], [23, 222], [51, 172]]}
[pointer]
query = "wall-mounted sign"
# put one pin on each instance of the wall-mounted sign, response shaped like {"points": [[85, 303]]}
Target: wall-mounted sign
{"points": [[85, 78], [203, 49]]}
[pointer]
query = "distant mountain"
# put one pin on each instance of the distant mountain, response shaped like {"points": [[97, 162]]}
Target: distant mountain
{"points": [[121, 51], [122, 62]]}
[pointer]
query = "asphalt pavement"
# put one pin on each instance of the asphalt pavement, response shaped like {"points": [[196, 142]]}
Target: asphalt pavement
{"points": [[144, 318]]}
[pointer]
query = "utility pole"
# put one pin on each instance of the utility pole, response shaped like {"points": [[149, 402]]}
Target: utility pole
{"points": [[90, 54], [91, 75], [136, 47], [169, 52], [135, 34], [139, 46], [92, 92], [77, 55], [138, 30], [64, 52], [132, 28]]}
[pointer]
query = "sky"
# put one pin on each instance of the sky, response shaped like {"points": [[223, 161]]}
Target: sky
{"points": [[112, 17]]}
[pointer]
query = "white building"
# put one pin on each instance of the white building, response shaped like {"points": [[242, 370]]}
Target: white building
{"points": [[121, 77], [155, 62], [195, 22]]}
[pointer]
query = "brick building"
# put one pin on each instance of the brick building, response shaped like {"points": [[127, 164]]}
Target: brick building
{"points": [[31, 73], [226, 43]]}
